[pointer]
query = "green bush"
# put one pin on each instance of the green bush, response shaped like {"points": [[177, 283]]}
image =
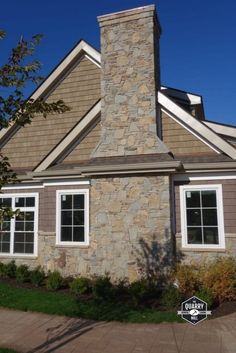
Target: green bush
{"points": [[37, 276], [189, 279], [206, 295], [22, 273], [138, 290], [10, 269], [102, 288], [54, 281], [2, 270], [171, 297], [81, 285]]}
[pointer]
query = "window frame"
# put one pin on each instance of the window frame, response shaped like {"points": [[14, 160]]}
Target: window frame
{"points": [[220, 215], [35, 209], [84, 192]]}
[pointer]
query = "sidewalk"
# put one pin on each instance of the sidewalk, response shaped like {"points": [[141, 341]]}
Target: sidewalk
{"points": [[41, 333]]}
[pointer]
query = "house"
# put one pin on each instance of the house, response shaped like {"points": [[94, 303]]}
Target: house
{"points": [[130, 179]]}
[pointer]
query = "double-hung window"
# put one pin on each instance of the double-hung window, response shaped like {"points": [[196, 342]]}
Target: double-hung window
{"points": [[18, 235], [72, 217], [202, 219]]}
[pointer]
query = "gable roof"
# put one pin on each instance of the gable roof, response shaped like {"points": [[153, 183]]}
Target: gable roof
{"points": [[80, 49], [202, 131]]}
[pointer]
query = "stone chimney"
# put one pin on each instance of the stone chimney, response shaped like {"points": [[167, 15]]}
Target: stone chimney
{"points": [[130, 78]]}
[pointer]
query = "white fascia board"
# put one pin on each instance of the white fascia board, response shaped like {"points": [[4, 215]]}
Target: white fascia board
{"points": [[192, 98], [222, 129], [82, 47], [205, 176], [65, 142], [197, 127]]}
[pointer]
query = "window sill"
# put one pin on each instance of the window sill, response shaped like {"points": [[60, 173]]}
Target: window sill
{"points": [[203, 249], [72, 246], [24, 257]]}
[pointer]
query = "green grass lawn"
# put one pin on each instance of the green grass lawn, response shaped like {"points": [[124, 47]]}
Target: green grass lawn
{"points": [[6, 350], [65, 304]]}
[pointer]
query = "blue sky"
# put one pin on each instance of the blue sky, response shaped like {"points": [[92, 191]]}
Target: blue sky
{"points": [[198, 43]]}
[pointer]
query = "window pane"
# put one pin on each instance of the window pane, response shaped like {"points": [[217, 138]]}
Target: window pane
{"points": [[29, 237], [78, 218], [209, 198], [19, 237], [66, 233], [20, 201], [19, 248], [194, 235], [66, 202], [29, 226], [194, 217], [78, 201], [192, 198], [30, 201], [66, 218], [209, 217], [5, 237], [29, 216], [5, 226], [211, 235], [19, 226], [5, 247], [5, 202], [29, 248], [78, 234]]}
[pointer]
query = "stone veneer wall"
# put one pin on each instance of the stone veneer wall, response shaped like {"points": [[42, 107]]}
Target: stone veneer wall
{"points": [[123, 210], [130, 78]]}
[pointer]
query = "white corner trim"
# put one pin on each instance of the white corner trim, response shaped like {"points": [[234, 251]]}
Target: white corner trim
{"points": [[220, 216], [201, 130], [88, 119], [221, 129], [82, 47], [85, 192]]}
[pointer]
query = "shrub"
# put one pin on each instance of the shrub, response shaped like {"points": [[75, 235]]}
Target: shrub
{"points": [[188, 277], [121, 289], [171, 297], [220, 277], [206, 295], [37, 276], [102, 288], [54, 280], [138, 290], [2, 270], [80, 286], [10, 269], [22, 273]]}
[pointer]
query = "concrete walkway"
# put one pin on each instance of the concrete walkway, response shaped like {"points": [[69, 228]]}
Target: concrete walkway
{"points": [[41, 333]]}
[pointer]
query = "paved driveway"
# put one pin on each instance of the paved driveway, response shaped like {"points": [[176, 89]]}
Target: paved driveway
{"points": [[41, 333]]}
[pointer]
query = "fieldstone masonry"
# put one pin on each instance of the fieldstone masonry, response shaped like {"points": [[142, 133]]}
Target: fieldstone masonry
{"points": [[130, 77]]}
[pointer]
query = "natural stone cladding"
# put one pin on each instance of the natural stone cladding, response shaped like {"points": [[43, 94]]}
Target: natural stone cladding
{"points": [[129, 82]]}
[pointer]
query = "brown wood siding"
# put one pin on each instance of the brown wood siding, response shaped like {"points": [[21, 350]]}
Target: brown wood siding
{"points": [[229, 202], [179, 140], [84, 149], [80, 89]]}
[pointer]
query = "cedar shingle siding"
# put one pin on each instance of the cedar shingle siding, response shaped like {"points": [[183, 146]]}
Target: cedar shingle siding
{"points": [[80, 89], [179, 140]]}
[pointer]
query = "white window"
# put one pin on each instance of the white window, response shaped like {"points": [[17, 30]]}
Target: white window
{"points": [[72, 217], [18, 235], [202, 217]]}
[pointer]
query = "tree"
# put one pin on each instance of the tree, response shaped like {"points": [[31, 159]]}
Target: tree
{"points": [[21, 69]]}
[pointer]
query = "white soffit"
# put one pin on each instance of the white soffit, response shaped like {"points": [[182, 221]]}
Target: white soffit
{"points": [[81, 48], [222, 129], [70, 137], [202, 131]]}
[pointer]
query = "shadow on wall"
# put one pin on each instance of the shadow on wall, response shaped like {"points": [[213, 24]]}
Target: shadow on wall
{"points": [[155, 259]]}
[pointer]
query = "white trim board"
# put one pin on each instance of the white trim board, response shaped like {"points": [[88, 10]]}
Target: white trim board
{"points": [[46, 184], [207, 176], [200, 129], [81, 48], [64, 143], [185, 96], [221, 129]]}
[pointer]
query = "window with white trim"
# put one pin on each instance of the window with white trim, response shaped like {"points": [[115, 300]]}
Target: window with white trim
{"points": [[18, 235], [72, 217], [202, 219]]}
